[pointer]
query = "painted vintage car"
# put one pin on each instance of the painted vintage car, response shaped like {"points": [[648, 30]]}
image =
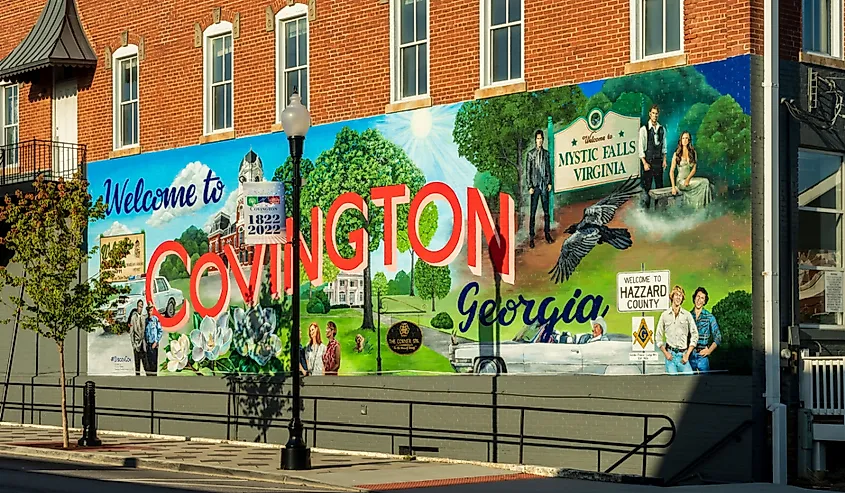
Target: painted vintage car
{"points": [[165, 297], [541, 349]]}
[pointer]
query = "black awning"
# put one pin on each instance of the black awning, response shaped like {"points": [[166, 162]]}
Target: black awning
{"points": [[56, 40]]}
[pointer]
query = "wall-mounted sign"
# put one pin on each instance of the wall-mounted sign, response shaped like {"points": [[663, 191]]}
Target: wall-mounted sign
{"points": [[833, 292], [642, 339], [264, 213], [135, 261], [404, 337], [642, 291], [601, 148]]}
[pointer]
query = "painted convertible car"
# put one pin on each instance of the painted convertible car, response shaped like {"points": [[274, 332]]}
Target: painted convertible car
{"points": [[541, 349]]}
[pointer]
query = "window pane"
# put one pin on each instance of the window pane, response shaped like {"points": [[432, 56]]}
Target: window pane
{"points": [[673, 25], [228, 108], [406, 22], [422, 25], [125, 81], [514, 10], [129, 133], [303, 41], [811, 296], [500, 54], [422, 73], [217, 54], [303, 86], [290, 44], [11, 138], [11, 101], [498, 12], [409, 71], [653, 26], [218, 107], [516, 52], [818, 239], [291, 83], [819, 180], [134, 78], [227, 59]]}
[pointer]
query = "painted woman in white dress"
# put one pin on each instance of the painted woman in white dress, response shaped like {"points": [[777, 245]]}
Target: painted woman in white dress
{"points": [[314, 351], [697, 193]]}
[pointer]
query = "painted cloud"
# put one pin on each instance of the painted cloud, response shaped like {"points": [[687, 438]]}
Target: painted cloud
{"points": [[194, 173], [117, 229]]}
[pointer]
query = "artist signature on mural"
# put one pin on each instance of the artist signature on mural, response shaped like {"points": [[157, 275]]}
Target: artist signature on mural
{"points": [[546, 313]]}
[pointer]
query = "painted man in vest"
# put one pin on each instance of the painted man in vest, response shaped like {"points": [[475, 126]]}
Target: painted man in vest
{"points": [[652, 153], [539, 185]]}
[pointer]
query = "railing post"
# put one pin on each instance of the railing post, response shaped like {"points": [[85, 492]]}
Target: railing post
{"points": [[314, 432], [645, 444], [152, 411], [521, 432], [410, 428]]}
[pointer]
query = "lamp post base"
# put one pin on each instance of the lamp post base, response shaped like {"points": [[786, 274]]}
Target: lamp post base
{"points": [[296, 458]]}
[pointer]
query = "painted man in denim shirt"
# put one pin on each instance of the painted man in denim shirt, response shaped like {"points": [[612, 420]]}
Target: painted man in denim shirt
{"points": [[152, 335], [709, 335]]}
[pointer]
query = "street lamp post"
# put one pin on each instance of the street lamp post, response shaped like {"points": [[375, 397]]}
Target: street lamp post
{"points": [[296, 121], [378, 334]]}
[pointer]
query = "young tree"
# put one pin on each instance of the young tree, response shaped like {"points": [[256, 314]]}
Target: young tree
{"points": [[433, 282], [427, 228], [380, 283], [47, 236]]}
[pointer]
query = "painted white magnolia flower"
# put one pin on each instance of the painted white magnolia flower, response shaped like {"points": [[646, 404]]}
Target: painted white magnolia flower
{"points": [[212, 339], [177, 357]]}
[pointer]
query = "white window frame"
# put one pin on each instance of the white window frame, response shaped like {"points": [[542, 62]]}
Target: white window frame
{"points": [[836, 39], [840, 317], [121, 54], [287, 14], [396, 52], [486, 43], [3, 121], [638, 33], [222, 28]]}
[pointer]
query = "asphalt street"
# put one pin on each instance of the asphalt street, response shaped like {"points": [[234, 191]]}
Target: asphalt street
{"points": [[36, 476]]}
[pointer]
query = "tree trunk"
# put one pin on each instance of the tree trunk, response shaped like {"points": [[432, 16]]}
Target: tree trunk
{"points": [[65, 438], [367, 322], [412, 272], [432, 299]]}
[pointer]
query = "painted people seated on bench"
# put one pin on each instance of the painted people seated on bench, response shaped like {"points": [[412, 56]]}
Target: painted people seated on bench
{"points": [[696, 189]]}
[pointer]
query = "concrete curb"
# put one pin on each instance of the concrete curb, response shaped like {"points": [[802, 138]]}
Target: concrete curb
{"points": [[544, 471]]}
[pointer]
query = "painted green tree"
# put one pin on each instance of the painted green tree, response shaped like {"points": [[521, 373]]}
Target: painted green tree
{"points": [[330, 272], [724, 144], [427, 228], [433, 282], [380, 283], [634, 104], [691, 121], [358, 162], [195, 241], [400, 284], [47, 236], [493, 134]]}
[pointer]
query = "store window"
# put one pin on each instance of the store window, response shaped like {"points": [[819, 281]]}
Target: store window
{"points": [[820, 267]]}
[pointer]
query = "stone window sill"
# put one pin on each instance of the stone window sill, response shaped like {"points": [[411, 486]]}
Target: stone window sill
{"points": [[276, 127], [502, 90], [217, 137], [126, 151], [656, 64], [821, 60], [412, 104]]}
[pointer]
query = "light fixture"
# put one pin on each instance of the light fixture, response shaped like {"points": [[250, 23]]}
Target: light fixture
{"points": [[296, 120]]}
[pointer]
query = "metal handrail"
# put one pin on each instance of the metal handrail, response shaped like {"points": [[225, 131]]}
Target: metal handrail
{"points": [[24, 161], [648, 447]]}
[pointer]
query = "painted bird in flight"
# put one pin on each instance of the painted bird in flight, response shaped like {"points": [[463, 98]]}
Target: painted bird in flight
{"points": [[592, 230]]}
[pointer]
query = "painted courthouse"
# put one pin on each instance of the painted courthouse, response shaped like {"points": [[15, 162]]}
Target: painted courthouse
{"points": [[453, 145]]}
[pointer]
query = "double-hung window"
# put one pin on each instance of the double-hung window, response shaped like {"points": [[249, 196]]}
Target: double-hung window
{"points": [[291, 55], [823, 27], [657, 28], [820, 238], [126, 118], [502, 44], [9, 119], [409, 48], [219, 102]]}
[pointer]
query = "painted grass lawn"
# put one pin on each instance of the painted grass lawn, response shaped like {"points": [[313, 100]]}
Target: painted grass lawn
{"points": [[349, 325]]}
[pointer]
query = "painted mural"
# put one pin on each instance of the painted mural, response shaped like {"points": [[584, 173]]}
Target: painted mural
{"points": [[602, 228]]}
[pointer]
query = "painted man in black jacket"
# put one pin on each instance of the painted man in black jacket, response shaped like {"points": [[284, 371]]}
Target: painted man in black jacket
{"points": [[539, 185]]}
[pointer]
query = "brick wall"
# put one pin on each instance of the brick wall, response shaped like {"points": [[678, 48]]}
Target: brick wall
{"points": [[565, 43]]}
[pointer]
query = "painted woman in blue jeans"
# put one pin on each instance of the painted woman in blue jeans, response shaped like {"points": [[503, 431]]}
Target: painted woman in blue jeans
{"points": [[676, 334]]}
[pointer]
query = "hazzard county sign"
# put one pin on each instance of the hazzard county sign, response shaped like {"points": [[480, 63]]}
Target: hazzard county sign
{"points": [[601, 148]]}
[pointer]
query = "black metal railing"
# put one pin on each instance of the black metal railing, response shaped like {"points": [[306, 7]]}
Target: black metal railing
{"points": [[658, 431], [24, 161]]}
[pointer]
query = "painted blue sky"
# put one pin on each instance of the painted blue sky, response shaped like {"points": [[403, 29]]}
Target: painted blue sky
{"points": [[424, 134]]}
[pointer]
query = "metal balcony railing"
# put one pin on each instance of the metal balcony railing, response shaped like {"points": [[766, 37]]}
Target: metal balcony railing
{"points": [[24, 161], [823, 384]]}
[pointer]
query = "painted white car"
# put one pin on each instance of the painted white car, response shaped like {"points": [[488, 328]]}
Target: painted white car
{"points": [[166, 298], [538, 349]]}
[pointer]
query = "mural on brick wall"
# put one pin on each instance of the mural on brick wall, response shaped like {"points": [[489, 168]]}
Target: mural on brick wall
{"points": [[602, 228]]}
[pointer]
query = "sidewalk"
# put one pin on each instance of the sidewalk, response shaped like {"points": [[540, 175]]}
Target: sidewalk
{"points": [[331, 470]]}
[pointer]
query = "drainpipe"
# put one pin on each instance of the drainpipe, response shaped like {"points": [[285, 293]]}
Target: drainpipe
{"points": [[771, 273]]}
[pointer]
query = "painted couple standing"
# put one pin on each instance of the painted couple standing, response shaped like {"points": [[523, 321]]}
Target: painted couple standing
{"points": [[146, 333]]}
